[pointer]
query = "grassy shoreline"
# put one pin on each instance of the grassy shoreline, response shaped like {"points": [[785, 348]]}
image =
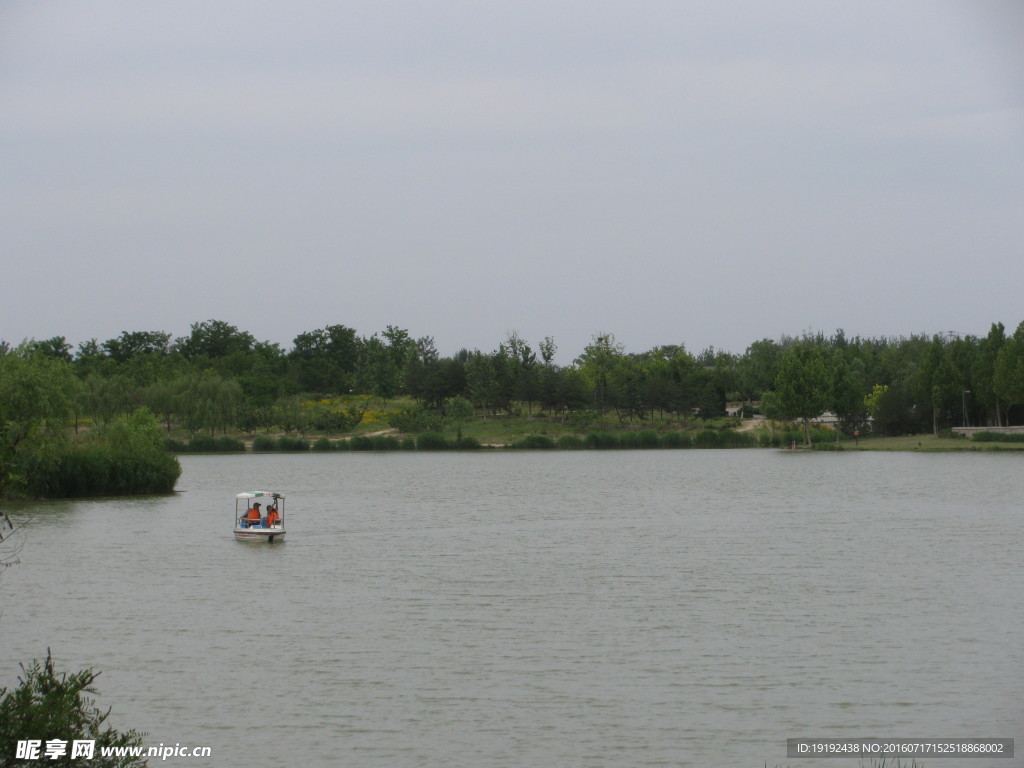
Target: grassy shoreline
{"points": [[543, 437], [929, 444], [530, 428], [398, 423]]}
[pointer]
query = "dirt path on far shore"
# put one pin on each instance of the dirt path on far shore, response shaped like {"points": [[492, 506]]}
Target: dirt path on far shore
{"points": [[752, 424]]}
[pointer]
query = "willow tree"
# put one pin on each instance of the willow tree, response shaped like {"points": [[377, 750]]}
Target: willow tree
{"points": [[206, 401]]}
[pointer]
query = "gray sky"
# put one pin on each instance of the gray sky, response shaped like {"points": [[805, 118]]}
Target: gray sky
{"points": [[664, 170]]}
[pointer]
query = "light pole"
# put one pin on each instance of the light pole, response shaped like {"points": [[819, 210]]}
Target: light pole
{"points": [[966, 393]]}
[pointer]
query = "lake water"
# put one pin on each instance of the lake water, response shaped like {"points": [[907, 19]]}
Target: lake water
{"points": [[493, 610]]}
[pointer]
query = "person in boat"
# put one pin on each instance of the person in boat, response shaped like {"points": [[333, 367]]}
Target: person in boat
{"points": [[272, 515], [252, 517]]}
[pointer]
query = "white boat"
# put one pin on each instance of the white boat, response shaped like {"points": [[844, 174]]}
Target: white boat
{"points": [[259, 516]]}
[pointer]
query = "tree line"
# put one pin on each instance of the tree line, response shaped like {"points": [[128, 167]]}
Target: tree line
{"points": [[221, 378]]}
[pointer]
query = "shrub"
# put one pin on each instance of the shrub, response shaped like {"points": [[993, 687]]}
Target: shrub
{"points": [[647, 438], [385, 443], [202, 444], [323, 445], [602, 440], [263, 443], [51, 706], [431, 441], [210, 444], [360, 443], [415, 420], [125, 457], [823, 436], [706, 438], [206, 444], [408, 443], [534, 442], [570, 443], [296, 444], [324, 418], [729, 438], [827, 447], [676, 440], [467, 443]]}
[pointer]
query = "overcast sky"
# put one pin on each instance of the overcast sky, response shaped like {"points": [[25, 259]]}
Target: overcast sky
{"points": [[667, 171]]}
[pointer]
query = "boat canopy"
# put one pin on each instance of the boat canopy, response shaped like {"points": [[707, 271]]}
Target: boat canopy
{"points": [[257, 494]]}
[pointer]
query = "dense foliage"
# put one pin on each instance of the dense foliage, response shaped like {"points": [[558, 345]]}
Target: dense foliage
{"points": [[220, 379], [40, 397], [48, 707], [126, 456]]}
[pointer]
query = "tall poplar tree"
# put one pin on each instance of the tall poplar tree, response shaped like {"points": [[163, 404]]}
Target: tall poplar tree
{"points": [[803, 385]]}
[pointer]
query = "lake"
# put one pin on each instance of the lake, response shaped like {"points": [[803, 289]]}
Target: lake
{"points": [[532, 609]]}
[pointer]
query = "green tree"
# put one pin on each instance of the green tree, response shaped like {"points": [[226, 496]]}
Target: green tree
{"points": [[325, 360], [107, 397], [36, 400], [708, 396], [983, 372], [423, 374], [684, 384], [846, 393], [1009, 369], [481, 381], [91, 360], [757, 368], [207, 401], [265, 378], [160, 399], [549, 377], [626, 385], [459, 410], [380, 370], [936, 386], [137, 434], [523, 370], [894, 411], [802, 386], [872, 399], [212, 340], [128, 345], [55, 348], [596, 364], [658, 387]]}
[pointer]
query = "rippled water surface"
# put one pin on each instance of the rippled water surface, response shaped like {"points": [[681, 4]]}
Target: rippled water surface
{"points": [[663, 608]]}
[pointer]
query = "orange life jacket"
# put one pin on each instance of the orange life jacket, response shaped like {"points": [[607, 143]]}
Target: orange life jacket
{"points": [[252, 514], [272, 516]]}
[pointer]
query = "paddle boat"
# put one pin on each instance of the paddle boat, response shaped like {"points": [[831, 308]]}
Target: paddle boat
{"points": [[259, 516]]}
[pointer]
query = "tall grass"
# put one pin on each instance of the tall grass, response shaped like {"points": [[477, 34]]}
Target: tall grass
{"points": [[99, 470], [432, 441], [124, 457], [283, 444], [207, 444]]}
